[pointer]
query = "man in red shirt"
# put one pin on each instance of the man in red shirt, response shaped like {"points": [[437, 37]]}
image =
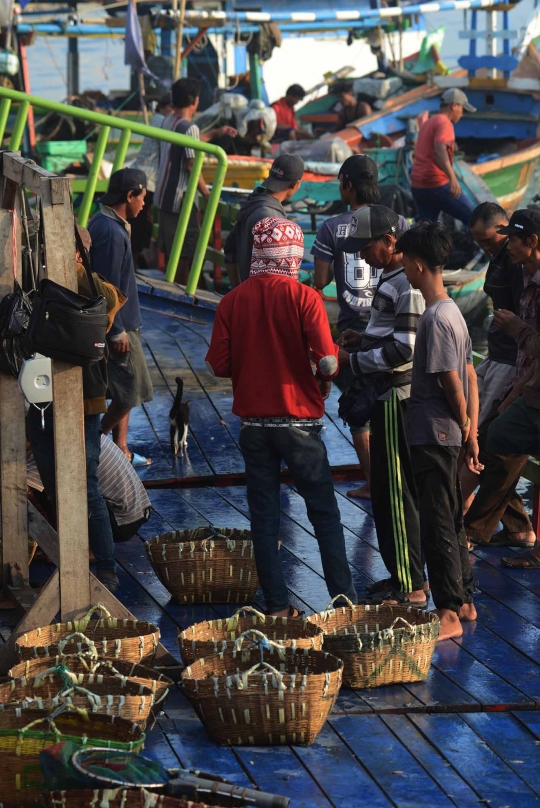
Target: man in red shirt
{"points": [[434, 185], [287, 126], [267, 333]]}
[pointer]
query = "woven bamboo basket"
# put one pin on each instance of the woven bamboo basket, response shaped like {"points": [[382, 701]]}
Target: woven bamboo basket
{"points": [[263, 694], [118, 638], [23, 735], [379, 645], [116, 798], [86, 664], [205, 565], [214, 636], [91, 692]]}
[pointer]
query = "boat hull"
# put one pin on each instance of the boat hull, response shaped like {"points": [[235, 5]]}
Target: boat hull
{"points": [[508, 178]]}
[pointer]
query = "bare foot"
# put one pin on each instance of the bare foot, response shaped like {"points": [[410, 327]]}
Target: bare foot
{"points": [[362, 492], [450, 624], [467, 613]]}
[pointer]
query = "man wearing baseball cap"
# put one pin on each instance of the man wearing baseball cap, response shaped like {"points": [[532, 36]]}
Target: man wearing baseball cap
{"points": [[434, 185], [355, 280], [111, 256], [383, 359], [281, 184], [514, 434]]}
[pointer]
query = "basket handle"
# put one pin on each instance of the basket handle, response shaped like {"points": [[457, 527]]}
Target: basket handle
{"points": [[232, 622], [91, 644], [91, 612], [411, 628], [331, 604], [242, 680], [263, 642]]}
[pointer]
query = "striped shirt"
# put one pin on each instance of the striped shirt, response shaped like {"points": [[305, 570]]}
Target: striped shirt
{"points": [[388, 341], [173, 173], [118, 482]]}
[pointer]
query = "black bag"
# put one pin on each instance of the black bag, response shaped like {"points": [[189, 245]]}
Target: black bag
{"points": [[357, 403], [67, 326], [15, 311]]}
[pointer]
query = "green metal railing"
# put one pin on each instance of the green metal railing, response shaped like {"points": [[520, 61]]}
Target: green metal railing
{"points": [[105, 122]]}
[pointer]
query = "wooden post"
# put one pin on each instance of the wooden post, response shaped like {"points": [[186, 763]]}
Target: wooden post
{"points": [[12, 430], [69, 449]]}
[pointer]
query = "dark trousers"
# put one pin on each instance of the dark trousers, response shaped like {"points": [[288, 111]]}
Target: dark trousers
{"points": [[444, 541], [99, 525], [305, 455], [393, 496], [432, 201], [497, 499], [511, 438]]}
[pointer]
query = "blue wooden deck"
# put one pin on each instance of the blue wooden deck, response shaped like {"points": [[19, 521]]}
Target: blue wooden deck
{"points": [[468, 736]]}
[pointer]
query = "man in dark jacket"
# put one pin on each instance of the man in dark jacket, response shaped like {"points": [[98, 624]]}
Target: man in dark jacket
{"points": [[111, 255], [267, 200]]}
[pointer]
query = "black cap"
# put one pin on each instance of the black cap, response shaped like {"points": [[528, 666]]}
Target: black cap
{"points": [[127, 179], [286, 169], [522, 223], [367, 224], [360, 168], [296, 91]]}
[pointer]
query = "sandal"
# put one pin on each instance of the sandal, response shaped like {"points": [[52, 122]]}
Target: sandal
{"points": [[393, 594], [502, 539], [386, 584], [293, 612], [525, 561]]}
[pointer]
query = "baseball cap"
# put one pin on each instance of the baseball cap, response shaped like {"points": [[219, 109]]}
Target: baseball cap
{"points": [[522, 223], [455, 96], [360, 167], [127, 179], [367, 224], [286, 169]]}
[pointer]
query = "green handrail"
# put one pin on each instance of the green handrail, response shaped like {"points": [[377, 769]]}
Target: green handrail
{"points": [[107, 121], [93, 174]]}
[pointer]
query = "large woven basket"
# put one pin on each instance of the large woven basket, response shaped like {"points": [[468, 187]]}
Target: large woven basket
{"points": [[379, 645], [205, 565], [91, 692], [264, 694], [118, 638], [84, 664], [116, 798], [23, 735], [214, 636]]}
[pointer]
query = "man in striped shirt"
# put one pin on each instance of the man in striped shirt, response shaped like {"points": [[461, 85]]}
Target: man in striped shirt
{"points": [[387, 348]]}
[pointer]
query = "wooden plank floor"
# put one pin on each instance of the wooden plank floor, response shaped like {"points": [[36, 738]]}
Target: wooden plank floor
{"points": [[468, 736]]}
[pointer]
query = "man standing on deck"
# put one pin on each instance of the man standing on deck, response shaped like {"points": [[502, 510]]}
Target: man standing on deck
{"points": [[385, 352], [111, 256], [504, 284], [287, 125], [267, 333], [434, 185], [267, 200], [355, 280], [497, 495], [441, 419], [175, 164]]}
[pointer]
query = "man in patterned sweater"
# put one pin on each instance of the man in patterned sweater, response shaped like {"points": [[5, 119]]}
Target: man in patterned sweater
{"points": [[387, 348]]}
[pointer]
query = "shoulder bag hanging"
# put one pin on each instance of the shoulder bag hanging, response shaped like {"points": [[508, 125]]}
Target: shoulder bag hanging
{"points": [[67, 326]]}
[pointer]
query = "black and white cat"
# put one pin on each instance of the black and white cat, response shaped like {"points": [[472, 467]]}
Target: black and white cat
{"points": [[179, 420]]}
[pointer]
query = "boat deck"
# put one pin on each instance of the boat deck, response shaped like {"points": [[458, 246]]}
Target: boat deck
{"points": [[468, 736]]}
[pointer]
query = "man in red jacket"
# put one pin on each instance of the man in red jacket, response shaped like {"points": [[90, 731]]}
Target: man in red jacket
{"points": [[267, 333]]}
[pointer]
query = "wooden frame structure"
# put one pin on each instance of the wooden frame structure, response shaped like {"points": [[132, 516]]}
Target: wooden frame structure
{"points": [[72, 589]]}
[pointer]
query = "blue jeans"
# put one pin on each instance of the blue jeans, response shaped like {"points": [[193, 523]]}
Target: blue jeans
{"points": [[431, 201], [305, 455], [99, 526]]}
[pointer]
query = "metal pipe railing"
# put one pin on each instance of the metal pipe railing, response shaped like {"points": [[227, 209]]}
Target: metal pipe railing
{"points": [[127, 127]]}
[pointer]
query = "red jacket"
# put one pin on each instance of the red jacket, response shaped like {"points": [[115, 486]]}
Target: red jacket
{"points": [[262, 337], [285, 115]]}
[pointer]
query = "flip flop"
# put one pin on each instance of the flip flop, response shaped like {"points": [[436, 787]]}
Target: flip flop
{"points": [[293, 612], [139, 460], [501, 539], [525, 561], [385, 584], [400, 597]]}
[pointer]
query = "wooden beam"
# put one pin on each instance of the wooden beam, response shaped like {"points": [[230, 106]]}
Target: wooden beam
{"points": [[41, 613], [12, 430], [68, 415], [23, 171]]}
